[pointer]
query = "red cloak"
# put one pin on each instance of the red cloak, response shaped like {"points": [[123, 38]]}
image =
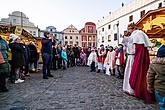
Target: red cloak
{"points": [[139, 72]]}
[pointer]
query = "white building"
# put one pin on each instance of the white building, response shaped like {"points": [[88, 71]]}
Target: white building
{"points": [[19, 19], [57, 36], [72, 36], [111, 28]]}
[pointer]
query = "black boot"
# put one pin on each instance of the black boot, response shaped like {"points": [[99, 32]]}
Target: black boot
{"points": [[50, 75], [45, 77], [104, 71], [98, 71]]}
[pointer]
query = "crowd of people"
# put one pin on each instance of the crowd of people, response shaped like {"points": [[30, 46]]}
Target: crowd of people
{"points": [[128, 61]]}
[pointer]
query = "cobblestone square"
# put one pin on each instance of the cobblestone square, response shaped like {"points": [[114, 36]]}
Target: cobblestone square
{"points": [[73, 89]]}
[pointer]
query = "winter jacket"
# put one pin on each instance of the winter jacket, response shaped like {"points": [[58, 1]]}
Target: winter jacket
{"points": [[4, 50], [156, 75], [33, 52], [46, 46], [17, 50], [64, 55]]}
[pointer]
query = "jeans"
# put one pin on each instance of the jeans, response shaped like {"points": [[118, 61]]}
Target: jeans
{"points": [[161, 100], [47, 58], [64, 64]]}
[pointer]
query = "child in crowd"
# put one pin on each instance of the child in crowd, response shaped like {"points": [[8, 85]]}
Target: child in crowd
{"points": [[64, 58], [120, 61], [92, 60], [83, 58], [110, 61]]}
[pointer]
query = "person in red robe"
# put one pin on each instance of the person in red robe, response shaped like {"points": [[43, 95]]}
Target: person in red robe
{"points": [[141, 63]]}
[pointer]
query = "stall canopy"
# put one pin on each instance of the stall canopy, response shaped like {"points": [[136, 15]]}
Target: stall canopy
{"points": [[7, 30], [153, 23]]}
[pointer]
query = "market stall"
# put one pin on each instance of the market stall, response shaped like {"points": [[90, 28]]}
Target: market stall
{"points": [[153, 24]]}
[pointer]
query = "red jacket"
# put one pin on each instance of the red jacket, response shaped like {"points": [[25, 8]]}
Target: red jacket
{"points": [[101, 56], [121, 57]]}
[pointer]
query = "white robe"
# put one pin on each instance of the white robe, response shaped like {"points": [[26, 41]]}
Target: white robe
{"points": [[109, 61], [137, 37], [92, 57], [130, 48]]}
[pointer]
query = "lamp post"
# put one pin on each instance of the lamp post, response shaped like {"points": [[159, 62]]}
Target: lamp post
{"points": [[117, 32]]}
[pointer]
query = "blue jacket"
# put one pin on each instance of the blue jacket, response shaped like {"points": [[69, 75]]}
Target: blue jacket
{"points": [[64, 55]]}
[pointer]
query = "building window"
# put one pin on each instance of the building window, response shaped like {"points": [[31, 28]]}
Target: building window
{"points": [[142, 13], [109, 38], [70, 37], [103, 39], [14, 21], [77, 37], [93, 44], [34, 33], [50, 30], [90, 29], [109, 26], [102, 29], [115, 36], [71, 42], [77, 43], [130, 18], [31, 32], [90, 44], [89, 38], [94, 38], [66, 42], [73, 31], [84, 38], [66, 37], [160, 5]]}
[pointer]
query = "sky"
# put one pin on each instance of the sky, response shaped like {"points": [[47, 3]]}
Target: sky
{"points": [[61, 13]]}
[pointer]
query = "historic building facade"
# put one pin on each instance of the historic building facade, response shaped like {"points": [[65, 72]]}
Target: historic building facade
{"points": [[88, 35], [71, 36], [110, 29], [20, 20], [57, 36]]}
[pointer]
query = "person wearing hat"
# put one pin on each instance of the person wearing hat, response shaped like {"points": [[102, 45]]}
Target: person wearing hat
{"points": [[101, 58], [119, 58], [110, 62], [92, 60], [18, 59], [140, 66], [156, 77]]}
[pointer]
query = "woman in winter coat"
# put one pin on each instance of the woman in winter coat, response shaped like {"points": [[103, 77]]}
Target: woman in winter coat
{"points": [[18, 60], [4, 67]]}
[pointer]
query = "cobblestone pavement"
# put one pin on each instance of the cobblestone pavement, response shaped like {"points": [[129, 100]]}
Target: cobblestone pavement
{"points": [[73, 89]]}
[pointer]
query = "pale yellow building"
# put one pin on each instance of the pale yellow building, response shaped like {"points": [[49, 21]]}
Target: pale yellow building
{"points": [[71, 36]]}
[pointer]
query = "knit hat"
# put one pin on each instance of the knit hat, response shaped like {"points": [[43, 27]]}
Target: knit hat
{"points": [[161, 51], [14, 37]]}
